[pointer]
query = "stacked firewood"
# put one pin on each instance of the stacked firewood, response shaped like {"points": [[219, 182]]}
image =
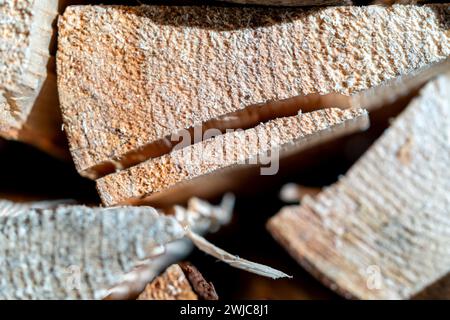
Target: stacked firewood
{"points": [[160, 105]]}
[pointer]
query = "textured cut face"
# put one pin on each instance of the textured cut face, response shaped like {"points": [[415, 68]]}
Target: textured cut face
{"points": [[15, 29], [130, 76], [26, 33], [381, 231]]}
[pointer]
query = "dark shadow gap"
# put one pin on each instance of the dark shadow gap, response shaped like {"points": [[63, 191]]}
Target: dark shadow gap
{"points": [[246, 118]]}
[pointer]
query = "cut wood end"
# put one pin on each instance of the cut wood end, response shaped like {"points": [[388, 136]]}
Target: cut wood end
{"points": [[101, 85], [277, 137], [381, 232], [25, 40]]}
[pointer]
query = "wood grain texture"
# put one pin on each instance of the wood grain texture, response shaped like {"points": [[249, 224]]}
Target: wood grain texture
{"points": [[73, 252], [382, 231], [28, 99], [130, 76], [52, 250], [171, 285], [287, 134]]}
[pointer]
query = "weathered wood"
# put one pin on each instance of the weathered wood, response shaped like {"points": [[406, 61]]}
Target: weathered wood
{"points": [[13, 204], [29, 108], [156, 177], [382, 231], [75, 252], [129, 77]]}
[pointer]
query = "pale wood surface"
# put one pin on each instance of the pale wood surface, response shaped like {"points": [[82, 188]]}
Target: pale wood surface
{"points": [[131, 76], [382, 231], [29, 107], [171, 285]]}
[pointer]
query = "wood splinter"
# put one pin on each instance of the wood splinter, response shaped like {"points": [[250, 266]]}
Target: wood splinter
{"points": [[65, 251], [382, 231]]}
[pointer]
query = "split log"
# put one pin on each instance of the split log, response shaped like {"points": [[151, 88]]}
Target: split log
{"points": [[298, 288], [52, 251], [382, 231], [29, 107], [171, 285], [129, 78], [179, 282], [76, 252], [173, 174], [292, 192]]}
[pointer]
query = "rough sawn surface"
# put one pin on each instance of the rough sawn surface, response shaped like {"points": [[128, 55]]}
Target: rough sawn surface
{"points": [[383, 230], [130, 76]]}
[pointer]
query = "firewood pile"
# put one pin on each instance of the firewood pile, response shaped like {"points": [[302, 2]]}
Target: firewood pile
{"points": [[302, 144]]}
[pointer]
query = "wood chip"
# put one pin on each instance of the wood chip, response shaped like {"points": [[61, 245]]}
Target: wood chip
{"points": [[77, 252], [130, 77], [382, 231]]}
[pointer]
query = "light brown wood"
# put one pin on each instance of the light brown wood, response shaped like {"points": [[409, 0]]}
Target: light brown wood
{"points": [[168, 173], [171, 285], [382, 231], [29, 108], [130, 77]]}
